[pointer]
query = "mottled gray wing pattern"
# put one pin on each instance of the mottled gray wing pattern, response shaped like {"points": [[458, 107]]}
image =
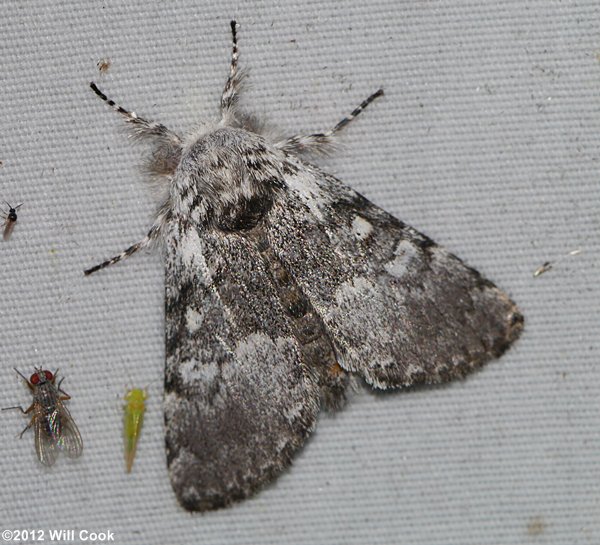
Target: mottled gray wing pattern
{"points": [[400, 310], [238, 399]]}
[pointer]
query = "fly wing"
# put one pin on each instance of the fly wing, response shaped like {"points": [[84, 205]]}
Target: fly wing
{"points": [[46, 437], [9, 225], [400, 309], [69, 440], [239, 399]]}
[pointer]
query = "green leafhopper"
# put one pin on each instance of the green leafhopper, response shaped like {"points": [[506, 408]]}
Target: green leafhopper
{"points": [[134, 417]]}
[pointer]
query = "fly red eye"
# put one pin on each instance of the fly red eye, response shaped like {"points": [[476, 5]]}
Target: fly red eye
{"points": [[49, 375], [34, 379]]}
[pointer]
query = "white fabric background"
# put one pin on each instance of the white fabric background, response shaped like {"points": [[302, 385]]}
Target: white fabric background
{"points": [[487, 139]]}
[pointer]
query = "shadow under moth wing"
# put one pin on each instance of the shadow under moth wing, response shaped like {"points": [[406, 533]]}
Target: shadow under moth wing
{"points": [[281, 282]]}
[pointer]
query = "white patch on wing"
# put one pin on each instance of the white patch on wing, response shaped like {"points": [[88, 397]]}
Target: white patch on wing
{"points": [[179, 469], [193, 320], [365, 312], [190, 248], [442, 258], [264, 371], [353, 294], [361, 228], [411, 370], [171, 403], [405, 252], [261, 359], [192, 371], [309, 194]]}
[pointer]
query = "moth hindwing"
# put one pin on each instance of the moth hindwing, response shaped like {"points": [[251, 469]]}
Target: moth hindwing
{"points": [[281, 283]]}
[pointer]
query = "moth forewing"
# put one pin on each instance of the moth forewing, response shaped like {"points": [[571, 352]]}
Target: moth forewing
{"points": [[134, 409]]}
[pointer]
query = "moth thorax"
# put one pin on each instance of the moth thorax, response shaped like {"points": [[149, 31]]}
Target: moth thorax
{"points": [[231, 176]]}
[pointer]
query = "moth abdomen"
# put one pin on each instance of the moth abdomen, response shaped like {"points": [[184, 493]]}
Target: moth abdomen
{"points": [[318, 353]]}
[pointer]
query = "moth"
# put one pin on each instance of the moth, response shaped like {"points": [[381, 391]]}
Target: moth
{"points": [[10, 219], [281, 284], [54, 429], [135, 407]]}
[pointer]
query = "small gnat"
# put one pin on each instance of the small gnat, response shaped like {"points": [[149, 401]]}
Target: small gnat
{"points": [[10, 219]]}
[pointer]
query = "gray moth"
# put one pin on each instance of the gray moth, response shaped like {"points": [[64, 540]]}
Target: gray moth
{"points": [[281, 284]]}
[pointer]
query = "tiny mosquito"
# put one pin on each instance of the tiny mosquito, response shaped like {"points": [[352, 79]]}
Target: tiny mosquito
{"points": [[10, 219], [52, 424]]}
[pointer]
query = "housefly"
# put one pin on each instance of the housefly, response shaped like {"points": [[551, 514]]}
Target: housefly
{"points": [[52, 424]]}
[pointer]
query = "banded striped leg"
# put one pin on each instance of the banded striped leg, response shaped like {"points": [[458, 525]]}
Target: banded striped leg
{"points": [[320, 141], [162, 218], [141, 127], [144, 243]]}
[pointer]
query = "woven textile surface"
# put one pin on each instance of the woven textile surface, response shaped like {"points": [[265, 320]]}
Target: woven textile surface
{"points": [[487, 139]]}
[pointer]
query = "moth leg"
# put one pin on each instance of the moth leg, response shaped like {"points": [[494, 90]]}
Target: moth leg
{"points": [[321, 141], [142, 127], [230, 95], [146, 241]]}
